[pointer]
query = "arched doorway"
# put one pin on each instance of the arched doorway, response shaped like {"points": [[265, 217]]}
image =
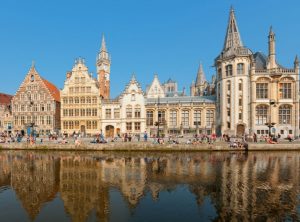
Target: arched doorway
{"points": [[109, 131], [240, 130], [82, 129]]}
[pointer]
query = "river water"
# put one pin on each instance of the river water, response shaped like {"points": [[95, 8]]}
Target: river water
{"points": [[148, 186]]}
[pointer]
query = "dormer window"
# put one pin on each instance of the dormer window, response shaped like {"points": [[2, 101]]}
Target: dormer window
{"points": [[32, 78]]}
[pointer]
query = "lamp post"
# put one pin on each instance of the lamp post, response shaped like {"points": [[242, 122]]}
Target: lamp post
{"points": [[269, 123]]}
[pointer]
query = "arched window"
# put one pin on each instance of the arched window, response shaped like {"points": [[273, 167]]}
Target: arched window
{"points": [[228, 70], [240, 68], [285, 113], [261, 114]]}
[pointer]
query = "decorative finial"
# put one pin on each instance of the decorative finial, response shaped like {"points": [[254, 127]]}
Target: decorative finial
{"points": [[231, 8], [133, 77], [271, 31], [33, 64], [103, 44]]}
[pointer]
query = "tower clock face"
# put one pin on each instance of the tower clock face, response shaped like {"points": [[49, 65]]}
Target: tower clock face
{"points": [[105, 67]]}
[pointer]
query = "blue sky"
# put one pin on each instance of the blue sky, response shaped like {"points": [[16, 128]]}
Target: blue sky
{"points": [[169, 38]]}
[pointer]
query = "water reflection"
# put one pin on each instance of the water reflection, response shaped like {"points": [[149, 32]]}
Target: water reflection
{"points": [[253, 187]]}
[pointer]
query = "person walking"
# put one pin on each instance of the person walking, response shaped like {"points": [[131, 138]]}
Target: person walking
{"points": [[145, 136]]}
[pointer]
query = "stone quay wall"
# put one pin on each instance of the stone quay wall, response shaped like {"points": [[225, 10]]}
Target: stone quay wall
{"points": [[141, 146]]}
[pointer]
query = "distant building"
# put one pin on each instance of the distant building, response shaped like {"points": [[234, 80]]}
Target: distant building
{"points": [[6, 119], [36, 105], [202, 87], [80, 108]]}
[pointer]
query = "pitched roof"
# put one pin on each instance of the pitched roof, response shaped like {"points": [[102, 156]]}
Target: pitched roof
{"points": [[5, 98], [52, 89]]}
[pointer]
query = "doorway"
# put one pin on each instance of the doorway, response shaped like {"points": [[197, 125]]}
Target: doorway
{"points": [[240, 130], [109, 131]]}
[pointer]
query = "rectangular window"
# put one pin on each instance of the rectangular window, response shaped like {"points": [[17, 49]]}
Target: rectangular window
{"points": [[173, 118], [116, 113], [48, 120], [129, 112], [42, 122], [209, 117], [137, 126], [185, 118], [161, 116], [197, 118], [65, 112], [88, 112], [88, 124], [261, 90], [65, 125], [240, 102], [94, 112], [240, 68], [94, 124], [285, 90], [107, 113], [48, 107], [240, 116], [70, 112], [82, 112], [88, 89], [76, 112], [149, 119], [137, 112], [228, 70], [128, 126]]}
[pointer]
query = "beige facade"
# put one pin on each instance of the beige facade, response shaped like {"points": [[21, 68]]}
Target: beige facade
{"points": [[80, 109], [36, 105], [178, 114], [255, 94]]}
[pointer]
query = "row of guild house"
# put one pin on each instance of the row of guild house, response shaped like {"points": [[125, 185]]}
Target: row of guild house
{"points": [[250, 93]]}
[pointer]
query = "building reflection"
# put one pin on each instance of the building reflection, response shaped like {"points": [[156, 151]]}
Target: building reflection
{"points": [[258, 186]]}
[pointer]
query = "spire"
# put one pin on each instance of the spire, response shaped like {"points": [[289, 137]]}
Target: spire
{"points": [[103, 54], [272, 52], [103, 44], [200, 79], [232, 39], [32, 68], [296, 62]]}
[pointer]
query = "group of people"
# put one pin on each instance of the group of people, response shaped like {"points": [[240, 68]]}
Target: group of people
{"points": [[272, 139]]}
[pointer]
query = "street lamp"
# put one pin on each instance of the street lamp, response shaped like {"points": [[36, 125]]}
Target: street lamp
{"points": [[269, 124]]}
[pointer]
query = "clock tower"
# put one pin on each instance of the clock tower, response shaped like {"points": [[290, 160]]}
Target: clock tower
{"points": [[103, 71]]}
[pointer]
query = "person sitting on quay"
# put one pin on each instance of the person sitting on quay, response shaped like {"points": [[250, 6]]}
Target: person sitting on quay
{"points": [[290, 138], [272, 140], [145, 136]]}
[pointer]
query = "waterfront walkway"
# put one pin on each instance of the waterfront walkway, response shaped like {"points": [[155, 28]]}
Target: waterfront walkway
{"points": [[146, 146]]}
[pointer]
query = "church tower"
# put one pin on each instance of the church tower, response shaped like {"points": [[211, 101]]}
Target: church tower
{"points": [[199, 88], [233, 71], [103, 70]]}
